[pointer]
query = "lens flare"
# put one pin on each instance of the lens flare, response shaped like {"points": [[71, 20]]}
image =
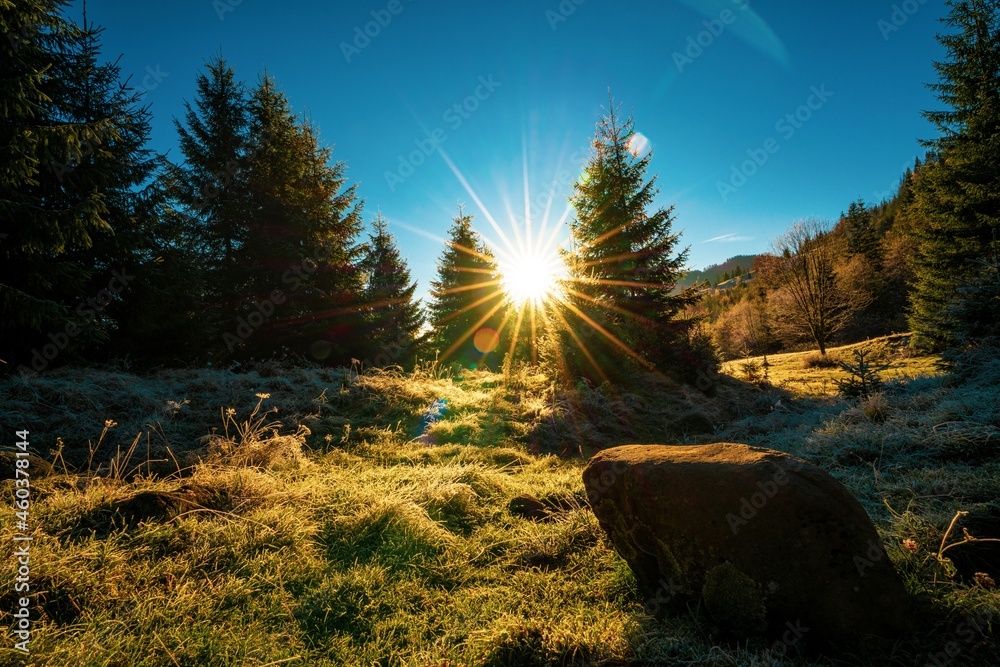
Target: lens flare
{"points": [[320, 349], [486, 340], [638, 144]]}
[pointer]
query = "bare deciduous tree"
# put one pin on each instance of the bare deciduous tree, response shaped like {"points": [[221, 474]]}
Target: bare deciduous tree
{"points": [[809, 296]]}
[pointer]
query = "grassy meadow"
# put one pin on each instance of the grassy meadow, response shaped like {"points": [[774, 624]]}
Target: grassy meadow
{"points": [[273, 515]]}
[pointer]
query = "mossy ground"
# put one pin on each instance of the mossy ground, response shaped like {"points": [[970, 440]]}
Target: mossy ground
{"points": [[355, 527]]}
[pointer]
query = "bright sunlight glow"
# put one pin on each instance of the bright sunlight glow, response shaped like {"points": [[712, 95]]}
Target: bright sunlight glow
{"points": [[531, 278]]}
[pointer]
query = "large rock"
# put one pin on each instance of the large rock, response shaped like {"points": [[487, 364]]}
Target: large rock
{"points": [[766, 542]]}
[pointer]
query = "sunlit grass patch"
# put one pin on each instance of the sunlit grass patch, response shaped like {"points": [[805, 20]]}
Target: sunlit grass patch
{"points": [[811, 374]]}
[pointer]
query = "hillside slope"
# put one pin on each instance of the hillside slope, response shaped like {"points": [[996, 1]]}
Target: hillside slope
{"points": [[715, 272]]}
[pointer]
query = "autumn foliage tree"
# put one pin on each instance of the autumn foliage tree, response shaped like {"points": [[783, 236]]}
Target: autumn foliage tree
{"points": [[810, 299]]}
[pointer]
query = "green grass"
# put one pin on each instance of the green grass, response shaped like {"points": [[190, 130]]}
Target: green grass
{"points": [[335, 531]]}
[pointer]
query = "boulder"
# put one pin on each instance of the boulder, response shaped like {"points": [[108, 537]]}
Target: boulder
{"points": [[763, 540]]}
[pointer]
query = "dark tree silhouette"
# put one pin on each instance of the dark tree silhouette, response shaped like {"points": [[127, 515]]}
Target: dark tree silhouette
{"points": [[394, 319], [958, 193], [71, 157], [299, 261], [210, 191], [467, 304]]}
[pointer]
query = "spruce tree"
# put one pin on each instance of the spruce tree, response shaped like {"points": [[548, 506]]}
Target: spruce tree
{"points": [[133, 254], [957, 194], [161, 317], [46, 215], [302, 226], [977, 305], [861, 235], [625, 262], [466, 309], [90, 278], [209, 189], [394, 318], [276, 227]]}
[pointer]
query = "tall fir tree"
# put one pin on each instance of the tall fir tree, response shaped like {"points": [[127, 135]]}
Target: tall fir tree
{"points": [[467, 304], [621, 306], [209, 192], [71, 159], [133, 254], [302, 227], [395, 320], [958, 194]]}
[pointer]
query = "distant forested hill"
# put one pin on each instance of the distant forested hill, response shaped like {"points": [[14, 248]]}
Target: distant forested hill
{"points": [[719, 272]]}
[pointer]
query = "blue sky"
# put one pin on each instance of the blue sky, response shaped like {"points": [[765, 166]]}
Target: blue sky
{"points": [[710, 82]]}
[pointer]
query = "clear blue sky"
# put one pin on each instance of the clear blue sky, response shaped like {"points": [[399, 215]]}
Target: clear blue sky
{"points": [[548, 66]]}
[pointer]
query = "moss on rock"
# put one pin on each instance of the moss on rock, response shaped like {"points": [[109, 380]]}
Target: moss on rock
{"points": [[734, 600]]}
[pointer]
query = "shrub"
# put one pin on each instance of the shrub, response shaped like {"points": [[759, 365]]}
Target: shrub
{"points": [[863, 378], [753, 372], [875, 407], [817, 360]]}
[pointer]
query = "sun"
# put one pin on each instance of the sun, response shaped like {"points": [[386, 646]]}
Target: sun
{"points": [[532, 278]]}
